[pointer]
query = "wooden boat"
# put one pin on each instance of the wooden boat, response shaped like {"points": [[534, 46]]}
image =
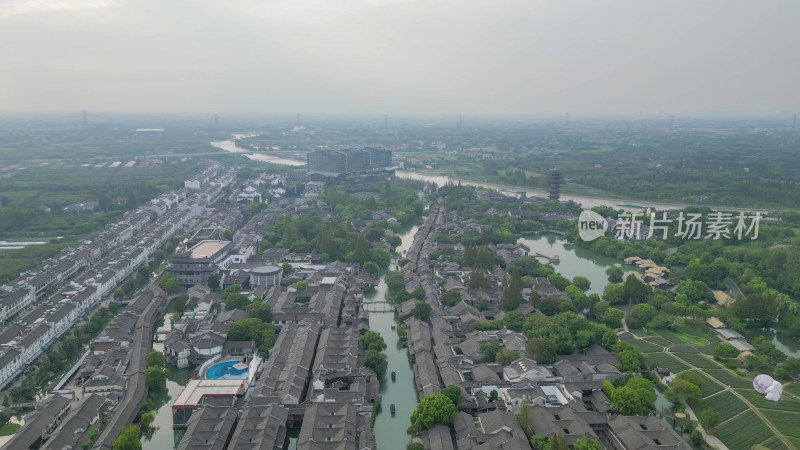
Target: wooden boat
{"points": [[391, 408], [394, 376]]}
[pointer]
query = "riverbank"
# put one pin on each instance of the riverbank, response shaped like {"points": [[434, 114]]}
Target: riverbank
{"points": [[586, 201]]}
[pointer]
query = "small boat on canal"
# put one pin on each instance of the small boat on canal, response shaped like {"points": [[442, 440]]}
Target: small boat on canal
{"points": [[391, 408], [394, 376]]}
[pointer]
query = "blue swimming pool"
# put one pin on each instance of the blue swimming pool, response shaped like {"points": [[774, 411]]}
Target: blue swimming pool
{"points": [[226, 371]]}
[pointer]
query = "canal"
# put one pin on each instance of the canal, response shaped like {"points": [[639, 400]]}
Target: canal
{"points": [[390, 431], [160, 435]]}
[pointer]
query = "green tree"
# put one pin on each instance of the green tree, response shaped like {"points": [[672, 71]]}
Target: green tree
{"points": [[635, 291], [155, 359], [582, 282], [372, 268], [433, 409], [490, 349], [227, 235], [451, 298], [156, 378], [415, 446], [587, 443], [422, 311], [630, 401], [686, 391], [170, 284], [506, 356], [482, 304], [613, 317], [287, 268], [614, 294], [615, 274], [418, 293], [372, 340], [542, 350], [129, 439], [453, 392], [213, 282], [697, 437], [709, 419], [146, 419], [260, 311], [376, 361], [557, 442]]}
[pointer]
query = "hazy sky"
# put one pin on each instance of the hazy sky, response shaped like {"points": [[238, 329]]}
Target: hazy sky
{"points": [[400, 56]]}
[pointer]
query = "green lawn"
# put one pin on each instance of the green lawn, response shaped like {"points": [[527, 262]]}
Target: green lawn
{"points": [[9, 429], [693, 340]]}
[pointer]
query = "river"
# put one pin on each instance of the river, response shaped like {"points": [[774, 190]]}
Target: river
{"points": [[586, 201], [390, 431], [230, 146]]}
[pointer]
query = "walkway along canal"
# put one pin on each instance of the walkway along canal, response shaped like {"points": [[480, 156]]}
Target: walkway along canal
{"points": [[390, 430]]}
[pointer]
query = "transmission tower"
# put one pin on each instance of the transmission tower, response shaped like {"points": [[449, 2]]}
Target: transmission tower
{"points": [[216, 121], [566, 121], [298, 119], [86, 120], [460, 118], [672, 122]]}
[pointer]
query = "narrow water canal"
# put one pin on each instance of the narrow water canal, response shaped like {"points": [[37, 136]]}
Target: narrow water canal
{"points": [[390, 431], [161, 435]]}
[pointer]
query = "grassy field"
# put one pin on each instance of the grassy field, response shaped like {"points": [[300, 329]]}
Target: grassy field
{"points": [[775, 443], [693, 340], [9, 429], [743, 432], [725, 404]]}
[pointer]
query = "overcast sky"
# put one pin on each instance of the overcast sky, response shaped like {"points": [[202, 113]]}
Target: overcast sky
{"points": [[400, 56]]}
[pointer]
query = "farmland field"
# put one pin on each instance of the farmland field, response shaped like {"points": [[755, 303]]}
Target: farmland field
{"points": [[658, 340], [743, 432], [645, 346], [699, 361], [788, 423], [682, 348], [666, 360], [725, 404], [758, 400], [730, 378]]}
